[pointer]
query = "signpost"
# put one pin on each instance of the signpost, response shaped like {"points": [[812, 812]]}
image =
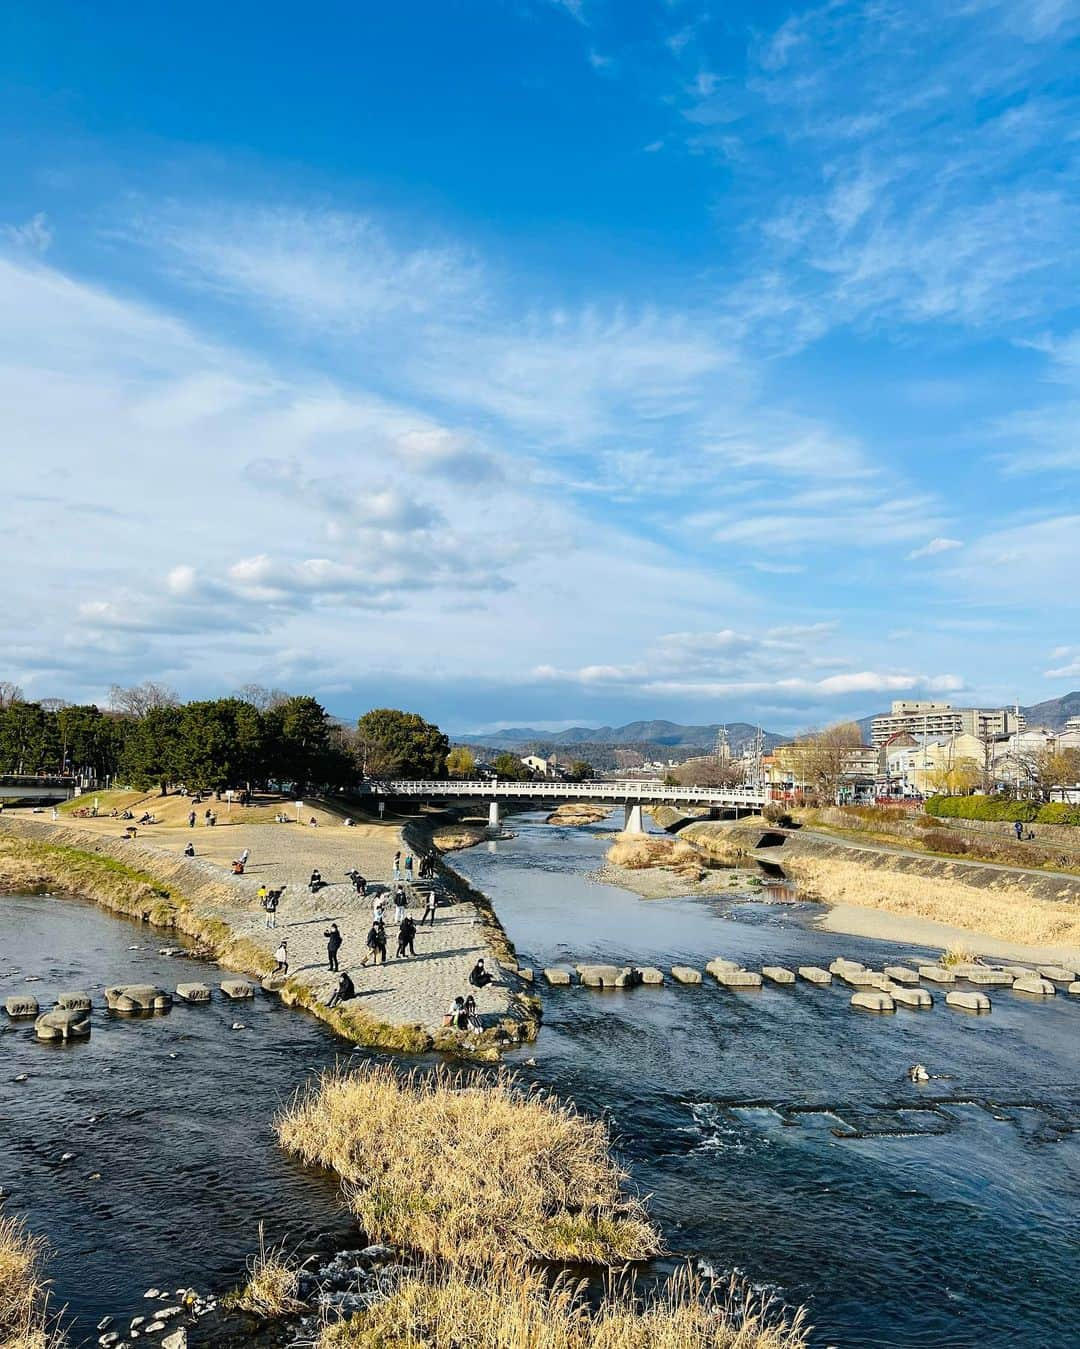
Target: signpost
{"points": [[299, 808]]}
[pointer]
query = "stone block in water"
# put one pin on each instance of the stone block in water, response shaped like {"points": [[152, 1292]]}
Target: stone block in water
{"points": [[911, 997], [683, 974], [64, 1023], [724, 966], [1034, 984], [967, 1002], [873, 1000], [814, 974], [1058, 974], [937, 974], [559, 978], [237, 989], [138, 998], [900, 974], [992, 979], [77, 1002], [21, 1004], [777, 974], [737, 978], [598, 976], [193, 993], [651, 975]]}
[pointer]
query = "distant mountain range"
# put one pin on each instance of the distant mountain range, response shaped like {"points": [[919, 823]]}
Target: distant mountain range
{"points": [[662, 734], [1054, 712]]}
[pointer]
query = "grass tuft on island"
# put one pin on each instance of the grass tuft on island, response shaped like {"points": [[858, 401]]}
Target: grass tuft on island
{"points": [[479, 1171], [273, 1286], [637, 852], [24, 1319], [452, 1309]]}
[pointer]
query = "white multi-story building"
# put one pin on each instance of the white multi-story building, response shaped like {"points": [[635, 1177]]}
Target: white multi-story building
{"points": [[942, 719]]}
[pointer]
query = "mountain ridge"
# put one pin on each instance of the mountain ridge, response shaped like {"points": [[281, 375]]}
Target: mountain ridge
{"points": [[666, 734]]}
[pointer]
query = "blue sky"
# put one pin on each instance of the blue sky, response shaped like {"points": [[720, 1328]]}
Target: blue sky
{"points": [[539, 362]]}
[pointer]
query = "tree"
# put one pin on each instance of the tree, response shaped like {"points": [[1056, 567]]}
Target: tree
{"points": [[10, 692], [509, 766], [141, 698], [707, 771], [580, 771], [821, 758], [301, 744], [149, 754], [219, 744], [261, 697], [90, 741], [461, 762], [1051, 767], [28, 740], [400, 744]]}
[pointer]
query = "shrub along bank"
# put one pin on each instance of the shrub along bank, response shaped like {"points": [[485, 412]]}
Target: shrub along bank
{"points": [[1002, 808]]}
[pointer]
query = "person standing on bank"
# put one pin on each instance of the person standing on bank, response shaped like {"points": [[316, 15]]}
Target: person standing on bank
{"points": [[333, 946], [429, 910], [281, 955]]}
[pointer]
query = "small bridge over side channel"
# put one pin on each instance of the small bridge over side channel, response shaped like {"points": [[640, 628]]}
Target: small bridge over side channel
{"points": [[631, 795]]}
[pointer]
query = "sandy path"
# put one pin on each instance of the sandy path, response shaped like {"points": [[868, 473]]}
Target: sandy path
{"points": [[402, 992]]}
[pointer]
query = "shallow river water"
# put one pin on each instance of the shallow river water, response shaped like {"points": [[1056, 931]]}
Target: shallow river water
{"points": [[948, 1214], [945, 1216]]}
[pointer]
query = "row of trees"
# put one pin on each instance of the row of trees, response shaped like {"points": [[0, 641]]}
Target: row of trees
{"points": [[147, 737]]}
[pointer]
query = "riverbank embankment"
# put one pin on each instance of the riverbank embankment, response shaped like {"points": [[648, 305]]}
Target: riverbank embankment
{"points": [[892, 895], [399, 1005]]}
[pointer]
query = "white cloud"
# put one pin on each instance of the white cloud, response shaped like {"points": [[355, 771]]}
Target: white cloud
{"points": [[34, 234], [935, 546]]}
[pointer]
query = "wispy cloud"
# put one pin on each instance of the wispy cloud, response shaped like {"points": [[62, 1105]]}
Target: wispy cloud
{"points": [[935, 546]]}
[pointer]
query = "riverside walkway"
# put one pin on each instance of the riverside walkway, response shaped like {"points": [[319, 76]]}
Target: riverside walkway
{"points": [[410, 991]]}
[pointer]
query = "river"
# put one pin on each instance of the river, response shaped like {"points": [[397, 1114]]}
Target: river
{"points": [[950, 1224], [945, 1215]]}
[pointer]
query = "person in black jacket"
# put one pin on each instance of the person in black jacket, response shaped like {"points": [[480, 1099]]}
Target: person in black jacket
{"points": [[345, 989], [333, 946], [405, 938]]}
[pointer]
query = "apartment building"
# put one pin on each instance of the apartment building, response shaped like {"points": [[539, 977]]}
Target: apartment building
{"points": [[942, 719]]}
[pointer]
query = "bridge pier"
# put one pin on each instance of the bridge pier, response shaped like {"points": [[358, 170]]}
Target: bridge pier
{"points": [[632, 821], [494, 818]]}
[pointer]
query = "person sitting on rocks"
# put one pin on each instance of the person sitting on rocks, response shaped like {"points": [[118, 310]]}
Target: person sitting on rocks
{"points": [[238, 867], [345, 990], [316, 882], [471, 1018], [457, 1016], [189, 850], [479, 977]]}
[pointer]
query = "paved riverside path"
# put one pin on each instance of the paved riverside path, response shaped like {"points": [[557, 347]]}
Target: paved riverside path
{"points": [[415, 990]]}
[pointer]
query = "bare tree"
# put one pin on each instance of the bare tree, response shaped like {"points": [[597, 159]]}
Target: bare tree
{"points": [[10, 692], [258, 695], [53, 704], [708, 771], [821, 758], [141, 698]]}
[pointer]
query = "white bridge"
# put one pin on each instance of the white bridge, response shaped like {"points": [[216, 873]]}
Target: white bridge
{"points": [[631, 795]]}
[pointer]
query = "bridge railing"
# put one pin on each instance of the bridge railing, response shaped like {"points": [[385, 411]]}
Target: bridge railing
{"points": [[615, 791]]}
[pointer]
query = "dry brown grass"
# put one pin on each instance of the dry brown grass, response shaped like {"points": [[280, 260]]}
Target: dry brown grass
{"points": [[24, 1319], [451, 1310], [1001, 911], [722, 845], [453, 838], [579, 812], [638, 852], [273, 1285], [470, 1170]]}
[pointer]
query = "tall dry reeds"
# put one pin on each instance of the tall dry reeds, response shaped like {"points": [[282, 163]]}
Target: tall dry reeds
{"points": [[637, 852], [469, 1170], [449, 1309], [999, 910], [24, 1319]]}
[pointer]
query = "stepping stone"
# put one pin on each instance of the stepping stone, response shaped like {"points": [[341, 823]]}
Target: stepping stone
{"points": [[911, 997], [967, 1002], [900, 974], [777, 974], [814, 974], [873, 1000], [1058, 973], [964, 969], [525, 973], [737, 978], [598, 976], [1074, 989], [558, 978], [21, 1005], [651, 975], [137, 998], [193, 993], [841, 963], [722, 966], [63, 1024], [937, 974], [1017, 971], [683, 974], [77, 1002], [1035, 984], [992, 979], [237, 989], [628, 978], [274, 983], [861, 978]]}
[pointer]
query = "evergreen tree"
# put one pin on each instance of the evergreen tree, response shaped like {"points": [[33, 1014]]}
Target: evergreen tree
{"points": [[400, 744]]}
